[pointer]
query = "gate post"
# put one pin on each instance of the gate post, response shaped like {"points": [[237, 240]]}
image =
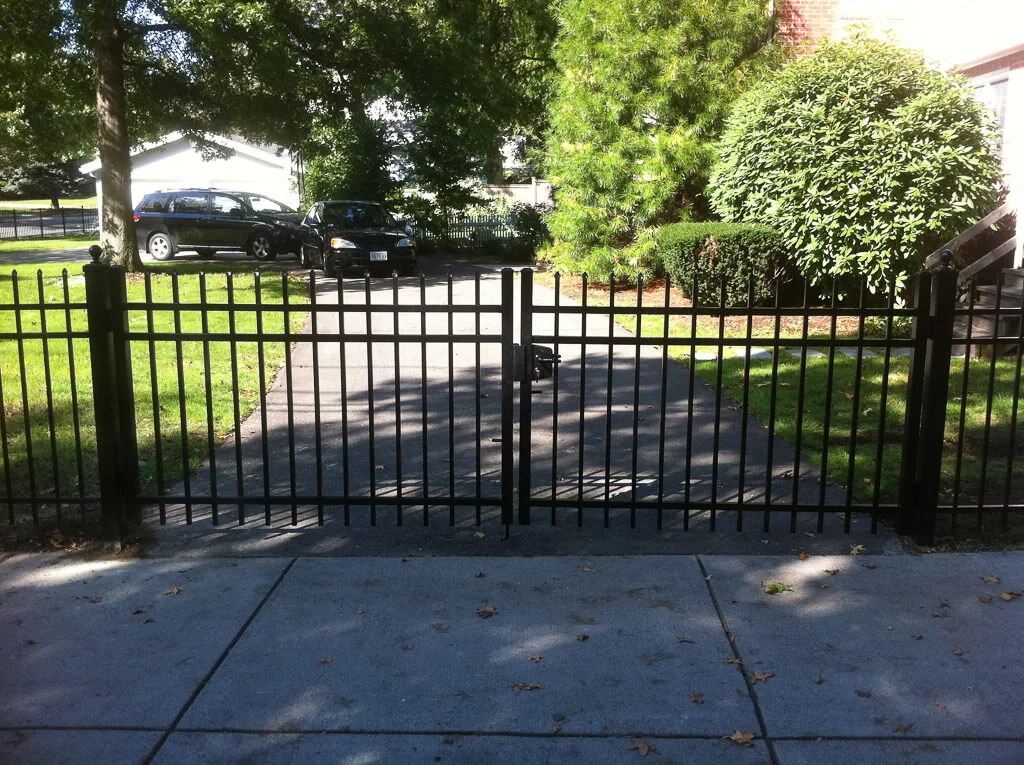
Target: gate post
{"points": [[525, 393], [508, 364], [113, 396], [928, 395]]}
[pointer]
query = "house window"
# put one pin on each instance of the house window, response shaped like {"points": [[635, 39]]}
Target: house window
{"points": [[992, 91]]}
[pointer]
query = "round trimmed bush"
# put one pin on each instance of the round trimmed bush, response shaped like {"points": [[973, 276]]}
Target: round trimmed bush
{"points": [[863, 157]]}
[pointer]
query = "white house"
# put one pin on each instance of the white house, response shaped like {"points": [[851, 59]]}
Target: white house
{"points": [[176, 161]]}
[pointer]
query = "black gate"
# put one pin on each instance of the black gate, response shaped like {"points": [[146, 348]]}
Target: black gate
{"points": [[489, 400]]}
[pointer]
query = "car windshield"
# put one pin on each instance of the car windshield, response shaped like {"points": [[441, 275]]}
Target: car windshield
{"points": [[354, 215], [266, 205]]}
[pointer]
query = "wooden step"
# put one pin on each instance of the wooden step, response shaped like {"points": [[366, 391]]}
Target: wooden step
{"points": [[1009, 297], [1013, 278]]}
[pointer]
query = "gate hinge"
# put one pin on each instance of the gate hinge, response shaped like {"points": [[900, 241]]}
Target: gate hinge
{"points": [[541, 363]]}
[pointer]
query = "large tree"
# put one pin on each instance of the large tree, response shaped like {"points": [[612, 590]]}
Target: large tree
{"points": [[642, 92], [79, 74]]}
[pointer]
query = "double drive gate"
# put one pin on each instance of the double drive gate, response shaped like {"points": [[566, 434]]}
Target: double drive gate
{"points": [[490, 400]]}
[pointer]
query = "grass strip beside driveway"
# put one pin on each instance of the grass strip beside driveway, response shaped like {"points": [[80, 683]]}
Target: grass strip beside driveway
{"points": [[44, 413]]}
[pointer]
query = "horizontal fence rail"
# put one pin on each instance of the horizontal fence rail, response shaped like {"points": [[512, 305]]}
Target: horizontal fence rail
{"points": [[44, 223], [295, 400]]}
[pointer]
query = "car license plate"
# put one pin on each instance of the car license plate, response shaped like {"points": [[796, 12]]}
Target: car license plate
{"points": [[379, 255]]}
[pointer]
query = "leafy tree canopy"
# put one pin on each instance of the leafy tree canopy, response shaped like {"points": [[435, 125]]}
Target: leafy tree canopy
{"points": [[641, 94], [863, 157], [288, 71]]}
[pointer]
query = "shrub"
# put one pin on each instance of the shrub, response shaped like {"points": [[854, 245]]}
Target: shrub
{"points": [[862, 157], [712, 255]]}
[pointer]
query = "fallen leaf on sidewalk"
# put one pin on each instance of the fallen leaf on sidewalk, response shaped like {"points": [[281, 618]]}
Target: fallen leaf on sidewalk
{"points": [[583, 637], [985, 599], [864, 694], [641, 746], [803, 556], [820, 678], [940, 705], [479, 574], [761, 677], [697, 698], [990, 579], [536, 659], [743, 739], [92, 598], [486, 611], [556, 728], [174, 591], [831, 571], [777, 588], [684, 639], [958, 651], [901, 727], [1008, 596], [939, 614], [588, 569], [379, 467], [479, 534], [326, 661], [525, 687], [869, 565], [733, 660], [858, 549]]}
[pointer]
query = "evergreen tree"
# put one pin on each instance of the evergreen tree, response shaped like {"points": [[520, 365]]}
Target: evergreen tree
{"points": [[642, 92]]}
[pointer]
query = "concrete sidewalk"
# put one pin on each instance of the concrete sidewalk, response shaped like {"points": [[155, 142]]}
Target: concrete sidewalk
{"points": [[893, 659]]}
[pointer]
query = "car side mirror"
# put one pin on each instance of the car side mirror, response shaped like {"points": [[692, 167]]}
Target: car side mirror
{"points": [[237, 212], [408, 230]]}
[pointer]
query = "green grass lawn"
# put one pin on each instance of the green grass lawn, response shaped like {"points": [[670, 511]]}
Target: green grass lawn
{"points": [[72, 242], [33, 204], [55, 461]]}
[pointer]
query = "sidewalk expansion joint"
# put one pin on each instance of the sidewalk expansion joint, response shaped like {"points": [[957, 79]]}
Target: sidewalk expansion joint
{"points": [[731, 637], [456, 732], [216, 666]]}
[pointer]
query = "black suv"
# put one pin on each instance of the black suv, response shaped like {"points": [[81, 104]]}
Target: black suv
{"points": [[344, 234], [207, 220]]}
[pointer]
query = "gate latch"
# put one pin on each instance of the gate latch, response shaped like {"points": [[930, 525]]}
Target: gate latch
{"points": [[540, 359]]}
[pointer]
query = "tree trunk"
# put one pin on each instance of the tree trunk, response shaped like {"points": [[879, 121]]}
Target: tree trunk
{"points": [[117, 224]]}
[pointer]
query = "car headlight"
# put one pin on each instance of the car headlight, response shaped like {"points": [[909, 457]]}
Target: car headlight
{"points": [[343, 244], [405, 243]]}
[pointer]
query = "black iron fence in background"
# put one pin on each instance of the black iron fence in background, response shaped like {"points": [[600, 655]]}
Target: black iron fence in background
{"points": [[462, 230], [396, 402], [46, 222]]}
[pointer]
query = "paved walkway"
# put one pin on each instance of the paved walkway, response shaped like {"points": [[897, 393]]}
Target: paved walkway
{"points": [[866, 659]]}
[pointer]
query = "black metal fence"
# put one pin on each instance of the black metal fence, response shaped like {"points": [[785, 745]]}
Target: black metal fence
{"points": [[387, 402], [42, 223], [462, 230]]}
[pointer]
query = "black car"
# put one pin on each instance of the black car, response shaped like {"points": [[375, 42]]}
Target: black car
{"points": [[342, 234], [208, 220]]}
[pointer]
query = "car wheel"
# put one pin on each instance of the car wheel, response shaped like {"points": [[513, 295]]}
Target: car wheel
{"points": [[205, 252], [261, 248], [330, 265], [304, 260], [160, 246]]}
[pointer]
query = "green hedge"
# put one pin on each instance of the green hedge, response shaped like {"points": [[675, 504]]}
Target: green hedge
{"points": [[732, 254]]}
